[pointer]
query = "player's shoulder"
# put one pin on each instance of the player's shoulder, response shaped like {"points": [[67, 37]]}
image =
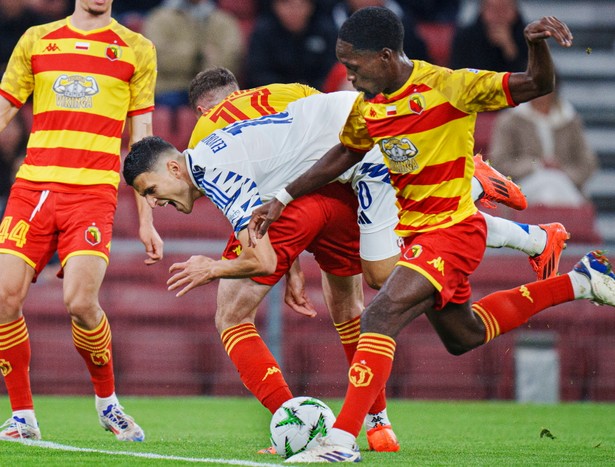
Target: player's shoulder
{"points": [[34, 33], [132, 38]]}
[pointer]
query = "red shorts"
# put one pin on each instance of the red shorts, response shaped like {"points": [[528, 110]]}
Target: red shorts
{"points": [[446, 257], [324, 223], [37, 223]]}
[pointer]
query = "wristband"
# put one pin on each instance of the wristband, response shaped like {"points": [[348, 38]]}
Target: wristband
{"points": [[283, 197]]}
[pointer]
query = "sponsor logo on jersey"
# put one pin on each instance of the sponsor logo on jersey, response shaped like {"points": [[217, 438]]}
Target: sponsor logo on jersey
{"points": [[400, 153], [51, 47], [93, 235], [75, 91], [360, 375], [417, 103], [113, 52]]}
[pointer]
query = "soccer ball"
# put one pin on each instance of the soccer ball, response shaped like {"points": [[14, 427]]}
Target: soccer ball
{"points": [[297, 424]]}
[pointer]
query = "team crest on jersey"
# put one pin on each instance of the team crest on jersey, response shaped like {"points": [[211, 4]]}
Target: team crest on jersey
{"points": [[400, 154], [417, 103], [75, 91], [113, 52], [93, 235]]}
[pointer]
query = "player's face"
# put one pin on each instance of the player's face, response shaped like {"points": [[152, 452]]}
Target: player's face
{"points": [[164, 186], [364, 69]]}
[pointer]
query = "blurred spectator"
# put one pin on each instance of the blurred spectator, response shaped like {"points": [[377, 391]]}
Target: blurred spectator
{"points": [[414, 45], [141, 7], [190, 35], [13, 142], [51, 10], [439, 11], [15, 18], [494, 41], [293, 41], [542, 145]]}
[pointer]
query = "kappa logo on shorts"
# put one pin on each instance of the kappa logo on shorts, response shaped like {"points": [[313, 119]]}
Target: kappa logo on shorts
{"points": [[93, 235], [360, 375], [437, 264]]}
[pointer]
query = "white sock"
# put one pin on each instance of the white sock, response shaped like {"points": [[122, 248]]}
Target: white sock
{"points": [[477, 190], [27, 415], [375, 419], [342, 438], [104, 402], [529, 239], [581, 286]]}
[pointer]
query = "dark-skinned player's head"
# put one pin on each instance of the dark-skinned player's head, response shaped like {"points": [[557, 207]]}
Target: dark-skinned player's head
{"points": [[370, 46]]}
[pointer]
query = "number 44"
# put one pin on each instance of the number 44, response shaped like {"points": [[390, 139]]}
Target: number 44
{"points": [[17, 233]]}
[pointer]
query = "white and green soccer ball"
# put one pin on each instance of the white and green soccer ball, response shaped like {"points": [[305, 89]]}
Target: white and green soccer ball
{"points": [[297, 424]]}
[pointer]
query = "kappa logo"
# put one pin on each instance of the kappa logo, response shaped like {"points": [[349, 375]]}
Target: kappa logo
{"points": [[525, 293], [101, 358], [360, 375], [93, 235], [271, 371], [51, 47], [5, 367], [438, 264]]}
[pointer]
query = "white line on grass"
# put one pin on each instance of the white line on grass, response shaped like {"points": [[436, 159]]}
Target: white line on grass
{"points": [[146, 455]]}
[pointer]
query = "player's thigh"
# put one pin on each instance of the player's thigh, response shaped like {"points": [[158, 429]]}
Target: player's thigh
{"points": [[380, 251], [343, 296], [238, 301], [15, 279]]}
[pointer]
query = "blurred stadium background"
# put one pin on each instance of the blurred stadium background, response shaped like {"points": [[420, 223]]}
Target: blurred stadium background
{"points": [[169, 346]]}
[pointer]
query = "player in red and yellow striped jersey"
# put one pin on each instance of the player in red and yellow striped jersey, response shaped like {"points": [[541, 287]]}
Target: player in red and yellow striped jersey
{"points": [[88, 76], [422, 118]]}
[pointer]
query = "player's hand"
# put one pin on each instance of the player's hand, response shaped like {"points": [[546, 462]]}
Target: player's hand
{"points": [[261, 219], [190, 274], [154, 245], [548, 26], [295, 295]]}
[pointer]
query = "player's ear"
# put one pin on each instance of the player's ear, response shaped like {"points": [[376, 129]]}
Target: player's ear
{"points": [[174, 168]]}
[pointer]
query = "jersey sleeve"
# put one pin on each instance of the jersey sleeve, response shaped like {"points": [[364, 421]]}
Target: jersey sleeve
{"points": [[354, 134], [476, 91], [18, 80], [144, 79]]}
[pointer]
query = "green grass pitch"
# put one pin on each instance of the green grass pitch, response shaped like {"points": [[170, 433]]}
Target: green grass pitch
{"points": [[229, 431]]}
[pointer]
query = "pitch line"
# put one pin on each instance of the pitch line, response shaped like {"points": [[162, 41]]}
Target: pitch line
{"points": [[145, 455]]}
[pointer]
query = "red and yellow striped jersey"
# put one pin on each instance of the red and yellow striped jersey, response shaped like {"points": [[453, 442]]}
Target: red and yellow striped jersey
{"points": [[85, 84], [247, 104], [425, 131]]}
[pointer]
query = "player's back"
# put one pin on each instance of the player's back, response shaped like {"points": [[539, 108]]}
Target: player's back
{"points": [[275, 149]]}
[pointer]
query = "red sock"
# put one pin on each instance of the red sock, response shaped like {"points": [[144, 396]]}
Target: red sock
{"points": [[369, 372], [257, 367], [15, 363], [349, 332], [94, 346], [508, 309]]}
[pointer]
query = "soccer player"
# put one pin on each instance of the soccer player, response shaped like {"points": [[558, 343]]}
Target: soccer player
{"points": [[89, 77], [421, 117]]}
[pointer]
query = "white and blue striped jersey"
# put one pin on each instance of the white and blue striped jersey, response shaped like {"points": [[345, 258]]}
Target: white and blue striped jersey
{"points": [[246, 163]]}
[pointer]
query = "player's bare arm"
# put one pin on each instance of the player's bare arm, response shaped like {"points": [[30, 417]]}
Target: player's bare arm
{"points": [[538, 79], [140, 126], [335, 162], [7, 112], [200, 270]]}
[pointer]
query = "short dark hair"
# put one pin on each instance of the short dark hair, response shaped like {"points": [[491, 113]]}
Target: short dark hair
{"points": [[207, 80], [373, 28], [143, 156]]}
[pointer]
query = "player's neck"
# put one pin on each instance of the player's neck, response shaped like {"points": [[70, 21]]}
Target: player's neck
{"points": [[87, 21]]}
